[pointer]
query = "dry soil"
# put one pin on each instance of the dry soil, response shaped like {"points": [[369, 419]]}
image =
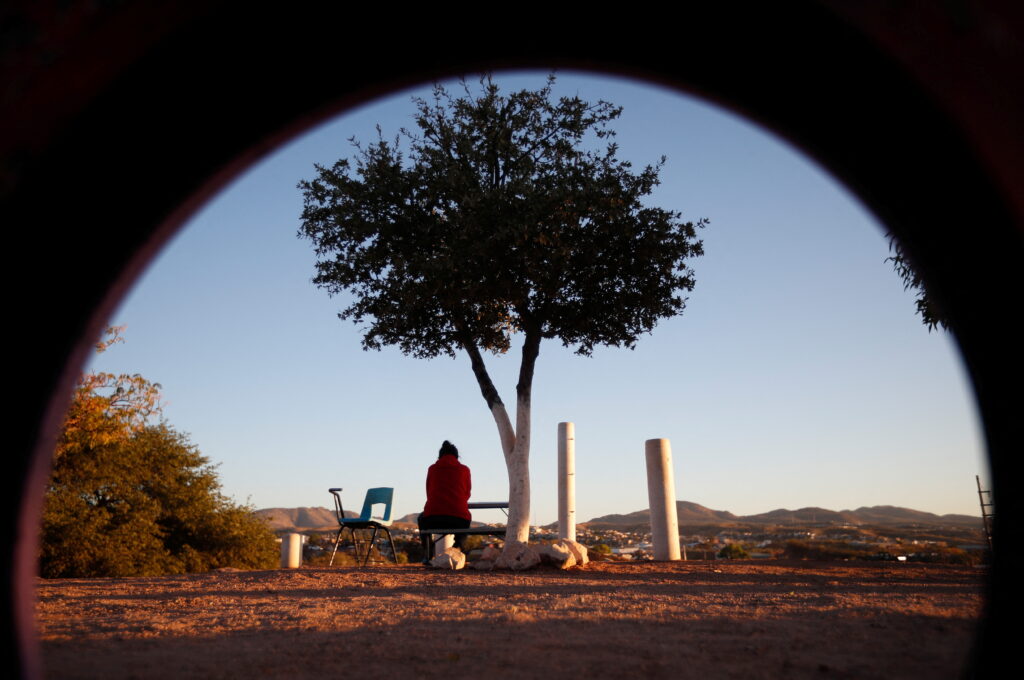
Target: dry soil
{"points": [[653, 620]]}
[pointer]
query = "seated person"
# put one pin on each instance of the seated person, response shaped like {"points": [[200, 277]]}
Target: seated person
{"points": [[448, 488]]}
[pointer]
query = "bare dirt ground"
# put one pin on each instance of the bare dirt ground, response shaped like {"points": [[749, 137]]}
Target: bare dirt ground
{"points": [[655, 620]]}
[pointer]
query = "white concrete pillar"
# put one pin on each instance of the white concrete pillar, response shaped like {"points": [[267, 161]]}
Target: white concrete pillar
{"points": [[661, 494], [443, 543], [567, 481], [291, 551]]}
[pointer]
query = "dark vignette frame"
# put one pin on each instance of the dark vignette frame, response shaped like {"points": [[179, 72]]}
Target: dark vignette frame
{"points": [[119, 119]]}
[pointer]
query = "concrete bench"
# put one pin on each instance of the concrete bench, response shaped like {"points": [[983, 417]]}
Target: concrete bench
{"points": [[468, 531]]}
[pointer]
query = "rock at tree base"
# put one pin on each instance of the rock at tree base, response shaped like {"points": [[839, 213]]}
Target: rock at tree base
{"points": [[558, 555], [579, 551], [452, 558], [518, 557], [488, 557], [491, 553]]}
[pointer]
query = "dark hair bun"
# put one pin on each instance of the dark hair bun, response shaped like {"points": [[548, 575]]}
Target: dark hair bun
{"points": [[448, 449]]}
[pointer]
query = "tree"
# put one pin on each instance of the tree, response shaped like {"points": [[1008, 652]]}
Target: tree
{"points": [[931, 315], [489, 222], [127, 497]]}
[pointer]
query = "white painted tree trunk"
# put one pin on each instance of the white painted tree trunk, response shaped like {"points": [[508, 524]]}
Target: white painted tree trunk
{"points": [[515, 442], [505, 431], [516, 447]]}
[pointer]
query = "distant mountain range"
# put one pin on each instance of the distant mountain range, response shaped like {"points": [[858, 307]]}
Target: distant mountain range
{"points": [[690, 514], [303, 519], [879, 515], [320, 519]]}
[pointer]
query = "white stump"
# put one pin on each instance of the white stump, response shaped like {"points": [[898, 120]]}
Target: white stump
{"points": [[567, 481], [661, 493], [291, 551]]}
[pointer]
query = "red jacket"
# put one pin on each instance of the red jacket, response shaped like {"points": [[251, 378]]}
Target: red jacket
{"points": [[448, 487]]}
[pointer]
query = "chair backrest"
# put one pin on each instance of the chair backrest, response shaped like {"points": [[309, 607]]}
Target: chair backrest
{"points": [[381, 495], [339, 511]]}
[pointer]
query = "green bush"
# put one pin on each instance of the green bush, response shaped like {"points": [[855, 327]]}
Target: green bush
{"points": [[148, 505], [128, 498], [474, 542], [733, 551]]}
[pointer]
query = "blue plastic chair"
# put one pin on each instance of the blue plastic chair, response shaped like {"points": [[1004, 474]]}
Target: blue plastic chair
{"points": [[379, 496]]}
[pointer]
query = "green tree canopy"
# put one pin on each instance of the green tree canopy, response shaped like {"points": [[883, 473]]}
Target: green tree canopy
{"points": [[127, 497], [490, 219]]}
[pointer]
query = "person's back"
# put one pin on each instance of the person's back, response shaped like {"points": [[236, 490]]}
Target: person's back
{"points": [[448, 489]]}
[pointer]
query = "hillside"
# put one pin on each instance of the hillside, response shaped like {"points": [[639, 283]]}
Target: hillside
{"points": [[316, 519], [879, 515], [687, 512], [690, 514], [301, 519]]}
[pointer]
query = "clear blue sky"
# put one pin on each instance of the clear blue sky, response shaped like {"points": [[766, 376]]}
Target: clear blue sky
{"points": [[799, 374]]}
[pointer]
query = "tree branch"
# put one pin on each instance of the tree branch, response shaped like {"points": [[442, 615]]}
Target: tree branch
{"points": [[524, 390], [483, 379], [531, 350], [507, 435]]}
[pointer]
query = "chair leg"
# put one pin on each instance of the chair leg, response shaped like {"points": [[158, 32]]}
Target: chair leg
{"points": [[357, 546], [358, 541], [337, 540], [428, 547], [369, 546], [394, 553]]}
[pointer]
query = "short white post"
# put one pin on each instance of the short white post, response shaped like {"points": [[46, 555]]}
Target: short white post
{"points": [[443, 543], [661, 494], [291, 551], [567, 481]]}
